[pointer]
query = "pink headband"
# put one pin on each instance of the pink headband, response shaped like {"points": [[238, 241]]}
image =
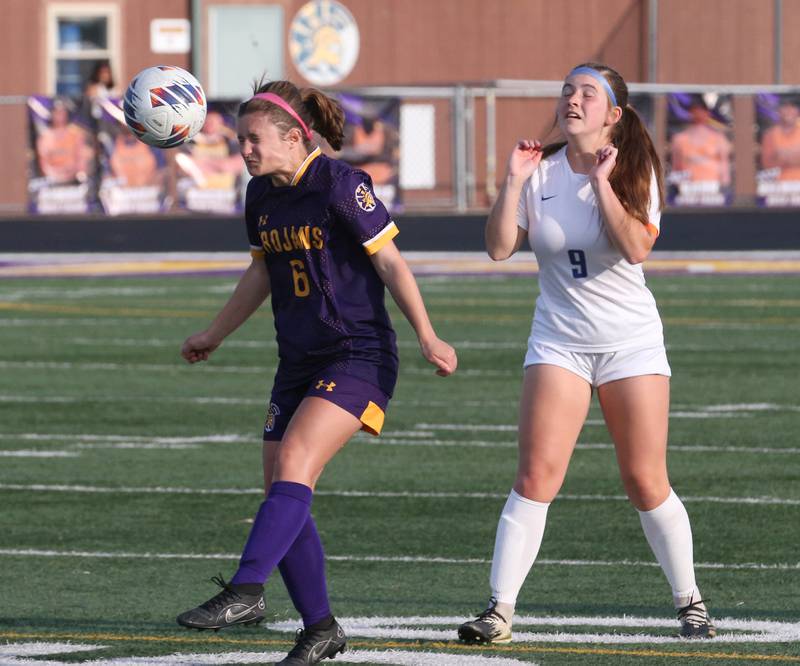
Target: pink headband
{"points": [[279, 101]]}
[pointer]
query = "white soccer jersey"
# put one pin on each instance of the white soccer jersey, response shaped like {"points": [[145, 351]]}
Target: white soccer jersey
{"points": [[591, 299]]}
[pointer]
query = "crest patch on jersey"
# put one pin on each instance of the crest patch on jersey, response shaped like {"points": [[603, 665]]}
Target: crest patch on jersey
{"points": [[269, 424], [364, 198]]}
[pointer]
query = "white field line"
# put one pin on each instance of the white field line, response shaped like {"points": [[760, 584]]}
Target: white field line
{"points": [[37, 453], [730, 630], [215, 400], [368, 494], [483, 345], [36, 649], [412, 438], [272, 344], [210, 367], [118, 367], [132, 439], [93, 322], [420, 628], [705, 413], [33, 322], [683, 410], [391, 559], [18, 651], [483, 444], [82, 292], [64, 399]]}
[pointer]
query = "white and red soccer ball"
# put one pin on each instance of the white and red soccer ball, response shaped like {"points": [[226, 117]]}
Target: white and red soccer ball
{"points": [[164, 106]]}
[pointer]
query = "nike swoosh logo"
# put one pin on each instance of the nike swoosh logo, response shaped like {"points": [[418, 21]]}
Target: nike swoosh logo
{"points": [[317, 652], [230, 616], [544, 198]]}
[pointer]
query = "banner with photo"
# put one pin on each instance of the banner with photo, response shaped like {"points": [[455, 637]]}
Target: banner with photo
{"points": [[372, 143], [700, 159], [778, 159], [133, 175], [61, 167], [210, 173]]}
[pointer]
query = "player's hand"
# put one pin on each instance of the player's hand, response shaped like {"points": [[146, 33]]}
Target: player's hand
{"points": [[198, 347], [606, 159], [439, 353], [524, 159]]}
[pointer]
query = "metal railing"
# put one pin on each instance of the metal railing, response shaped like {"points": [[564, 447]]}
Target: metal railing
{"points": [[474, 121]]}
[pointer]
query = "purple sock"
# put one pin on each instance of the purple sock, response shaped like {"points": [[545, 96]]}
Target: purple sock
{"points": [[303, 572], [278, 522]]}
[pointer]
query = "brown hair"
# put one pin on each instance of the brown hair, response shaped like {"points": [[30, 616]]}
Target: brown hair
{"points": [[318, 111], [637, 158]]}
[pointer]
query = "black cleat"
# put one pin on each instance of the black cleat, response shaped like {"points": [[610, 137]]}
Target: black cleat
{"points": [[312, 646], [226, 609], [695, 621], [488, 627]]}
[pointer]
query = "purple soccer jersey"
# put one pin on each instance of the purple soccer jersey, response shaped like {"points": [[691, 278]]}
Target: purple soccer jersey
{"points": [[315, 236]]}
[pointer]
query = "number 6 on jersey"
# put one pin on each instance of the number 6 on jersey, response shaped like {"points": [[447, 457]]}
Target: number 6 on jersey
{"points": [[300, 278]]}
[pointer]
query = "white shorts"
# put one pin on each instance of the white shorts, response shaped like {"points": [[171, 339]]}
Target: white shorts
{"points": [[598, 368]]}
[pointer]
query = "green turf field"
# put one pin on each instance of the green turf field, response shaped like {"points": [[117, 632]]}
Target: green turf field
{"points": [[127, 479]]}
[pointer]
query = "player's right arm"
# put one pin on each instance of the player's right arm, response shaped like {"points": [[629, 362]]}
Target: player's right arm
{"points": [[503, 236], [251, 291]]}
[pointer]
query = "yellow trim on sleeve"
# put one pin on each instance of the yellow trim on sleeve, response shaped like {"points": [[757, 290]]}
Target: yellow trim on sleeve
{"points": [[372, 419], [386, 234], [256, 252]]}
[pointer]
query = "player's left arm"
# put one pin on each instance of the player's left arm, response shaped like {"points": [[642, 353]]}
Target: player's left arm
{"points": [[397, 276], [630, 236]]}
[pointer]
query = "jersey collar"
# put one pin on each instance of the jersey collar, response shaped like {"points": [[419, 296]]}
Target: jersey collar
{"points": [[314, 154]]}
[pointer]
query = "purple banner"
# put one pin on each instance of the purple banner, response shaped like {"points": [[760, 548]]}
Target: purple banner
{"points": [[778, 161], [699, 130], [61, 168], [210, 169], [372, 143], [133, 175]]}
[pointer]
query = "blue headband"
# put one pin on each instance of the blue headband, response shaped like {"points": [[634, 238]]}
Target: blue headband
{"points": [[590, 71]]}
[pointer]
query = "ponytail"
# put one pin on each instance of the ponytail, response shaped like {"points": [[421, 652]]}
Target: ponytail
{"points": [[315, 109], [637, 160], [327, 116]]}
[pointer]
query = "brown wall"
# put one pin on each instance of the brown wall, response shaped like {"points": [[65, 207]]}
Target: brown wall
{"points": [[135, 18], [717, 41], [450, 41], [458, 41], [790, 63], [22, 43]]}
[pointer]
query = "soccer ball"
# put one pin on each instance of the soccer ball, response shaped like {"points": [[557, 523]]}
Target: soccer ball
{"points": [[164, 106]]}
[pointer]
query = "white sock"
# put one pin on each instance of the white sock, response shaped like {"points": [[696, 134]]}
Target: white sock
{"points": [[519, 535], [669, 534]]}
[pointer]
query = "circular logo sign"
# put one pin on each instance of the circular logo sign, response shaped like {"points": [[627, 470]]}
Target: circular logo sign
{"points": [[323, 42], [364, 198]]}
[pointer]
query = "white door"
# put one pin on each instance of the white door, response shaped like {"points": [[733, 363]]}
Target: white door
{"points": [[245, 43]]}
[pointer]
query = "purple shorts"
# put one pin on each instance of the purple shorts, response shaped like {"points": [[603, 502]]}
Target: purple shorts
{"points": [[363, 400]]}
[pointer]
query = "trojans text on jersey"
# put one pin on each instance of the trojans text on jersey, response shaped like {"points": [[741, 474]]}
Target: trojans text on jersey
{"points": [[303, 237]]}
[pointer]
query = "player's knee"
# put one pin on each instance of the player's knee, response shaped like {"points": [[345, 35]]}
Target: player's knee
{"points": [[291, 461], [539, 486], [645, 491]]}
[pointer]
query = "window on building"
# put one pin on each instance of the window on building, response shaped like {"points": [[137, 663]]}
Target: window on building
{"points": [[81, 35]]}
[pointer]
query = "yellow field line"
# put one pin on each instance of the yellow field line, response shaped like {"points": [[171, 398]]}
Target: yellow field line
{"points": [[439, 264], [428, 645]]}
